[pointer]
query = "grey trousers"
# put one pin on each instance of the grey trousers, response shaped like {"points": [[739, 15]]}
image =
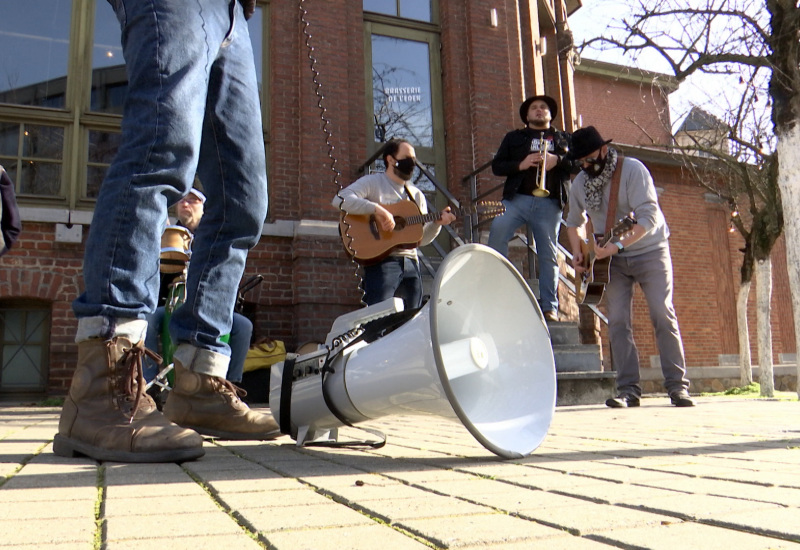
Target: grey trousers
{"points": [[653, 271]]}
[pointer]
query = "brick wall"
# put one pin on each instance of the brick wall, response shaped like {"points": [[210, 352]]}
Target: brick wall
{"points": [[308, 280]]}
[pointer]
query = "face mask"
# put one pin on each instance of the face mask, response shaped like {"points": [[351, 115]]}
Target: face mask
{"points": [[405, 168], [595, 166]]}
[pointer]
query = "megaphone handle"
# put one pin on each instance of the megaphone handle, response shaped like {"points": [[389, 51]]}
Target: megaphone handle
{"points": [[287, 378]]}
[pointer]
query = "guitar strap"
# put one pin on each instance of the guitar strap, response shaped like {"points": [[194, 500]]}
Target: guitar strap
{"points": [[614, 194]]}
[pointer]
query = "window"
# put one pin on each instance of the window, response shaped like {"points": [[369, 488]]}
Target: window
{"points": [[420, 10], [62, 88], [24, 347]]}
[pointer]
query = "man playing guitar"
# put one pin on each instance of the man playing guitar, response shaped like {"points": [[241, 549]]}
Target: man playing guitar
{"points": [[398, 274], [612, 186]]}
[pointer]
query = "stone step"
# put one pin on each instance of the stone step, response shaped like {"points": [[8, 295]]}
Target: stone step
{"points": [[584, 388], [577, 358], [564, 333]]}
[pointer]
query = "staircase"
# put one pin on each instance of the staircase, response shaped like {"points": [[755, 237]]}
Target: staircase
{"points": [[579, 378]]}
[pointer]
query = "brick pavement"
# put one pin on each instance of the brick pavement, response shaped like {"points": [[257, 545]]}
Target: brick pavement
{"points": [[725, 474]]}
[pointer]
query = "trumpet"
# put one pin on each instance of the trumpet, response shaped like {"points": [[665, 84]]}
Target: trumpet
{"points": [[541, 171]]}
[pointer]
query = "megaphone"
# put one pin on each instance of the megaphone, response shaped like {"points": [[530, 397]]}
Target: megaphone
{"points": [[478, 352]]}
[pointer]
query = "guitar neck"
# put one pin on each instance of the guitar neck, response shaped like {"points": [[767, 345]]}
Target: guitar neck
{"points": [[423, 218]]}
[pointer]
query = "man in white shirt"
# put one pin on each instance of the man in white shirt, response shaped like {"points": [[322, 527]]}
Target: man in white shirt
{"points": [[397, 275]]}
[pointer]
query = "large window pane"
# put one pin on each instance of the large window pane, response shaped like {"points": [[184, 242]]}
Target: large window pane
{"points": [[401, 87], [102, 148], [109, 80], [415, 9], [34, 49], [419, 10]]}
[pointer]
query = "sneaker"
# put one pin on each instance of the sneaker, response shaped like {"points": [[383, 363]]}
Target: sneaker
{"points": [[623, 400], [681, 398]]}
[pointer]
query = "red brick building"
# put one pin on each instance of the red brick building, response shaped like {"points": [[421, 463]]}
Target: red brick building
{"points": [[454, 71]]}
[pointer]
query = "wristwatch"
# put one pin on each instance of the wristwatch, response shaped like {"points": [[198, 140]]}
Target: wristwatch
{"points": [[619, 245]]}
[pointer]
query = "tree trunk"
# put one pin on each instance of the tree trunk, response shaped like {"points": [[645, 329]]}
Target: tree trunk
{"points": [[789, 182], [745, 361], [763, 297]]}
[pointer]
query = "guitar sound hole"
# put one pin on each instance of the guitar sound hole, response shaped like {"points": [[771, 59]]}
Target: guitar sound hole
{"points": [[399, 223]]}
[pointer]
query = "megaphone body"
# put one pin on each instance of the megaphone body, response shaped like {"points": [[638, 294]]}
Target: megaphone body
{"points": [[478, 352]]}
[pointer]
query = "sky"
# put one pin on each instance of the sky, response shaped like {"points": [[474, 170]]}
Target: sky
{"points": [[598, 17]]}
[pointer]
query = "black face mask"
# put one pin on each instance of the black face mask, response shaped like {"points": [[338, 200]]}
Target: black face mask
{"points": [[596, 166], [405, 168]]}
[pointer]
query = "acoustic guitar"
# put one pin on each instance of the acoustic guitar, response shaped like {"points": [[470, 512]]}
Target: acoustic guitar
{"points": [[591, 284], [365, 241]]}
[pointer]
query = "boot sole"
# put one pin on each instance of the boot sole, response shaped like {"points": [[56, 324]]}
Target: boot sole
{"points": [[71, 448], [234, 436]]}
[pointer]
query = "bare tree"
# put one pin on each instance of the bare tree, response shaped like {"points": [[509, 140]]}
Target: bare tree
{"points": [[756, 40]]}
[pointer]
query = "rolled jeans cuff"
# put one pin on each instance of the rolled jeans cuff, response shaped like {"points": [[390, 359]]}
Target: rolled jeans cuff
{"points": [[106, 328], [202, 361]]}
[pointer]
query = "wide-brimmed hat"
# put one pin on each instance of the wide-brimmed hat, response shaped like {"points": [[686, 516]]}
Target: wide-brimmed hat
{"points": [[551, 103], [586, 141]]}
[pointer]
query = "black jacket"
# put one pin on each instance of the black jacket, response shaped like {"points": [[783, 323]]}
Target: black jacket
{"points": [[517, 145], [10, 224]]}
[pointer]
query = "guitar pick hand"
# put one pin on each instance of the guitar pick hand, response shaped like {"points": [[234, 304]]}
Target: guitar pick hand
{"points": [[384, 218]]}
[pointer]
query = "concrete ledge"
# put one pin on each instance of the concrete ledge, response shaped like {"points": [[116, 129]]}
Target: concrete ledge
{"points": [[584, 388]]}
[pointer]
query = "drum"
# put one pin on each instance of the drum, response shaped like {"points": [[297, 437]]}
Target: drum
{"points": [[176, 244]]}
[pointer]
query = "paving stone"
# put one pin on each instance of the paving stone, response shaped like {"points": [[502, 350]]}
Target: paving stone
{"points": [[362, 537], [311, 516], [205, 542], [144, 527], [691, 535], [486, 529]]}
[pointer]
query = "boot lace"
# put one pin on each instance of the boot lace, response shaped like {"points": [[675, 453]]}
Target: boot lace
{"points": [[226, 386], [133, 382]]}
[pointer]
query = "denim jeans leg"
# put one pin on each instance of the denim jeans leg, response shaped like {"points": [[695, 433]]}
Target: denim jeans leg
{"points": [[152, 341], [241, 333], [168, 73], [382, 279], [619, 300], [232, 169], [410, 288], [545, 221], [503, 227]]}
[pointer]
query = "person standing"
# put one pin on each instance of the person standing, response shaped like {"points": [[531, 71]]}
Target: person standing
{"points": [[192, 108], [639, 256], [189, 211], [397, 275], [10, 224], [519, 159]]}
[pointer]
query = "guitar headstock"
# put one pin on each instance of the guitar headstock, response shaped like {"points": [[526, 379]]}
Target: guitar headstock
{"points": [[488, 209], [623, 227]]}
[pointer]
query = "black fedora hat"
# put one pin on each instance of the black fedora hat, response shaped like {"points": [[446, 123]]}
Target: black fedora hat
{"points": [[551, 103], [585, 141]]}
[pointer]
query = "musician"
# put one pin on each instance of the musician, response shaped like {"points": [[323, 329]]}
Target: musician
{"points": [[398, 275], [640, 256], [189, 211], [518, 159]]}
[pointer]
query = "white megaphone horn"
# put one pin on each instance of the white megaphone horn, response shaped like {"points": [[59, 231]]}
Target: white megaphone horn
{"points": [[479, 351]]}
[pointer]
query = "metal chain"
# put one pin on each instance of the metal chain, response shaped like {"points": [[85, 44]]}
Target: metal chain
{"points": [[326, 128]]}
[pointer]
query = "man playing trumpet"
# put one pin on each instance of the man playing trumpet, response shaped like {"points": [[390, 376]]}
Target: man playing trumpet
{"points": [[534, 161]]}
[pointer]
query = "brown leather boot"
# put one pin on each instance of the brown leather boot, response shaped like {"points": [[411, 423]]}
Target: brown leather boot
{"points": [[108, 416], [211, 406]]}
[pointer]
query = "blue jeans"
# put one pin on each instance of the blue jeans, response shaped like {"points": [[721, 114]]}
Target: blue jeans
{"points": [[192, 108], [543, 217], [396, 276], [239, 342]]}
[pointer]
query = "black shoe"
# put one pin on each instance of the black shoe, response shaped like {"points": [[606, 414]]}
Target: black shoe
{"points": [[681, 398], [623, 400]]}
